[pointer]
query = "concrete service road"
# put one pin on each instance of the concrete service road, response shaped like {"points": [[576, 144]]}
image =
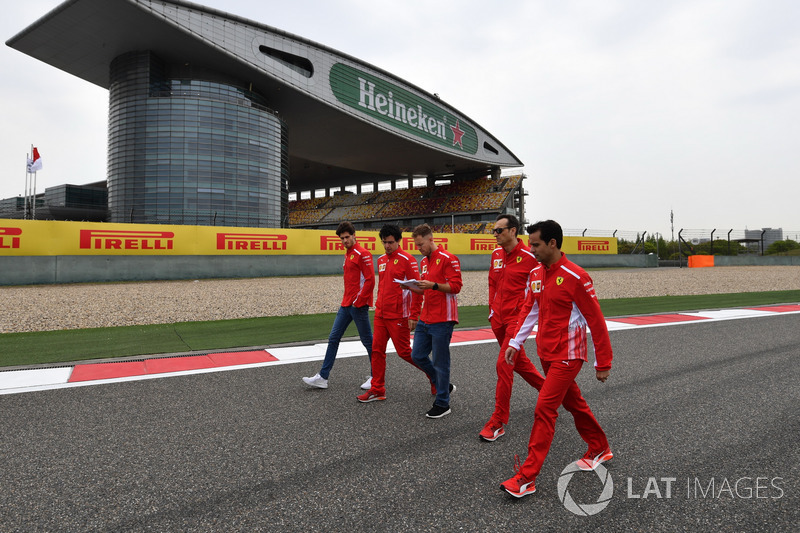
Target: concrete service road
{"points": [[702, 418]]}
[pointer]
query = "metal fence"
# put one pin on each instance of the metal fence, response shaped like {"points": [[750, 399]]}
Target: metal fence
{"points": [[689, 241]]}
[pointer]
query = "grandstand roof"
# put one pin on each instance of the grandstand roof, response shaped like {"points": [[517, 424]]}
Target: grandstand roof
{"points": [[349, 122]]}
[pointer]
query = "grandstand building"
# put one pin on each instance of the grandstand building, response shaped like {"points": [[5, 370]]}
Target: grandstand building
{"points": [[218, 120]]}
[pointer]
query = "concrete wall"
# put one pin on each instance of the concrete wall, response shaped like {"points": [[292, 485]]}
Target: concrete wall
{"points": [[757, 260], [33, 270]]}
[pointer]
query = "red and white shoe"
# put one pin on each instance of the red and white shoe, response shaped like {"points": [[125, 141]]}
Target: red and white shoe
{"points": [[370, 396], [592, 460], [492, 431], [518, 486]]}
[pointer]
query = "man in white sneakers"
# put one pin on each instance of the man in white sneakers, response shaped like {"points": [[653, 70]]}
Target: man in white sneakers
{"points": [[359, 283]]}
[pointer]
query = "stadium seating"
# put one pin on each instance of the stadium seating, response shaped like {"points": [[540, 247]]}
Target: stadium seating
{"points": [[308, 216], [472, 196]]}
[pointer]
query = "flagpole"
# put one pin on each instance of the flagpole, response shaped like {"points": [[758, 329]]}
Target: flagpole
{"points": [[28, 198], [25, 199], [33, 196]]}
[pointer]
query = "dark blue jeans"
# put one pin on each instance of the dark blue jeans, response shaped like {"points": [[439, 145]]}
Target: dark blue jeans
{"points": [[359, 315], [434, 339]]}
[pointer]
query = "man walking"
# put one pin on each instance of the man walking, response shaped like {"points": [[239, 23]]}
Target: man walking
{"points": [[512, 262], [561, 298], [440, 283], [392, 309], [359, 282]]}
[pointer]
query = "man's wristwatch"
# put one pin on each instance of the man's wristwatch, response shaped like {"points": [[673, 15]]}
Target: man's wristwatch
{"points": [[436, 286]]}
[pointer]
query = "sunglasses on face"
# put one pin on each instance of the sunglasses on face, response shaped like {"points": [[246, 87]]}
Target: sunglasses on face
{"points": [[498, 231]]}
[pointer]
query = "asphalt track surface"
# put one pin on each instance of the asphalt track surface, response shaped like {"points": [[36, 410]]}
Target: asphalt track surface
{"points": [[712, 406]]}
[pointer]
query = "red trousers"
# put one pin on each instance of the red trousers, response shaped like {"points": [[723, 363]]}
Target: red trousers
{"points": [[560, 389], [505, 372], [383, 330]]}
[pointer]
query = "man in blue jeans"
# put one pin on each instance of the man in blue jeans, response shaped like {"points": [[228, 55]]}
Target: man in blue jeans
{"points": [[359, 282], [440, 282]]}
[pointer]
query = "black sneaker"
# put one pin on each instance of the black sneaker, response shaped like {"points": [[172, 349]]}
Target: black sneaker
{"points": [[452, 388], [437, 411]]}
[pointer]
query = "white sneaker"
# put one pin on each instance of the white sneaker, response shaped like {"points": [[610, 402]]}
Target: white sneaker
{"points": [[367, 384], [316, 381]]}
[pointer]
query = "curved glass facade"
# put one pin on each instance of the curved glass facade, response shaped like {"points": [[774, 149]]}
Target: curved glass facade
{"points": [[191, 151]]}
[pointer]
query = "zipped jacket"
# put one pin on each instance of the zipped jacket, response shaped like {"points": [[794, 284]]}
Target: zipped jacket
{"points": [[562, 300]]}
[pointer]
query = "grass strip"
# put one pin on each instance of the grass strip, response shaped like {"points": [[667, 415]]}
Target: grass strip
{"points": [[97, 343]]}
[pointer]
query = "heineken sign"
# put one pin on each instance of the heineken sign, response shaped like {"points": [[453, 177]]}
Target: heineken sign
{"points": [[400, 108]]}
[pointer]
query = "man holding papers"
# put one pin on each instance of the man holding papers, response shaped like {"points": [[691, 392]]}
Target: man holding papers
{"points": [[440, 283]]}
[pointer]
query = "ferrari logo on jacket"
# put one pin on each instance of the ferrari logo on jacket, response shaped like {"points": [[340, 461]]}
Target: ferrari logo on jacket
{"points": [[559, 280]]}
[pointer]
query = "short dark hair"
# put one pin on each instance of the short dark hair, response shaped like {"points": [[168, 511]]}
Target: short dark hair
{"points": [[548, 229], [511, 221], [346, 227], [391, 230], [423, 230]]}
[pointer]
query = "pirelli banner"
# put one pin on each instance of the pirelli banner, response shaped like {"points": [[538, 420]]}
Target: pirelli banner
{"points": [[40, 237]]}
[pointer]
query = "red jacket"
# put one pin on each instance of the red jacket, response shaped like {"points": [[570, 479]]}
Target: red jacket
{"points": [[508, 279], [393, 300], [562, 299], [359, 277], [440, 267]]}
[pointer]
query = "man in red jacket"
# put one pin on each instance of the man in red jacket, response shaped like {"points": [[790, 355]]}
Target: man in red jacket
{"points": [[440, 283], [512, 262], [561, 298], [392, 309], [359, 282]]}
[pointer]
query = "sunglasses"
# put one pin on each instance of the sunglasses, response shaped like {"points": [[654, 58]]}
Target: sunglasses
{"points": [[498, 231]]}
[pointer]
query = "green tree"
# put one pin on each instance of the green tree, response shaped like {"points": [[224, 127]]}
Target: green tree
{"points": [[720, 247], [624, 246], [782, 247]]}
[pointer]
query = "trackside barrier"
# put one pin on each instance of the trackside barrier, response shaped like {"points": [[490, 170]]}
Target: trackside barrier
{"points": [[36, 252]]}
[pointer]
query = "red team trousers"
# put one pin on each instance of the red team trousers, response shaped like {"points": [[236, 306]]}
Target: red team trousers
{"points": [[383, 330], [505, 372], [560, 389]]}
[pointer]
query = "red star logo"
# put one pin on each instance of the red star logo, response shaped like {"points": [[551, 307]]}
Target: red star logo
{"points": [[457, 134]]}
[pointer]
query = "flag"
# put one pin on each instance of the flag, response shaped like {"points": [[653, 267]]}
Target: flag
{"points": [[35, 163]]}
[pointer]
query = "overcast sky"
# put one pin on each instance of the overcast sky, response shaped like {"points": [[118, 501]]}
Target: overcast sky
{"points": [[621, 110]]}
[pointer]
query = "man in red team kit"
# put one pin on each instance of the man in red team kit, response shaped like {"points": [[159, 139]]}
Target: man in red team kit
{"points": [[561, 298], [359, 282], [439, 284], [512, 261], [392, 309]]}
